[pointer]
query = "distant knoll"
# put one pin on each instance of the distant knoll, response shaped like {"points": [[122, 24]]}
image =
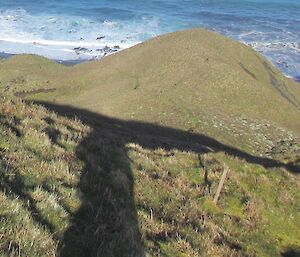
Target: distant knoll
{"points": [[171, 79]]}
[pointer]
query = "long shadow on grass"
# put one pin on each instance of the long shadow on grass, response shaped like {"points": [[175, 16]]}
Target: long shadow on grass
{"points": [[15, 185], [291, 252], [106, 224]]}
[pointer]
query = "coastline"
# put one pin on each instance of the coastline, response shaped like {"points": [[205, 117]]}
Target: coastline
{"points": [[71, 31], [65, 51], [73, 62]]}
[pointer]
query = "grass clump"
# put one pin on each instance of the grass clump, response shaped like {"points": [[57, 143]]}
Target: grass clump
{"points": [[34, 174]]}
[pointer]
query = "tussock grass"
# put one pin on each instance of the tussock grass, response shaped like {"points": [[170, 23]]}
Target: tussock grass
{"points": [[73, 194], [38, 179], [172, 80], [74, 182]]}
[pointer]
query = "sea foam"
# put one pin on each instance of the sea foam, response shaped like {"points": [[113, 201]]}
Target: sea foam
{"points": [[89, 29]]}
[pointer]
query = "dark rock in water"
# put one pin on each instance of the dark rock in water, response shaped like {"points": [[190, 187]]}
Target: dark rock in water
{"points": [[79, 50], [101, 37], [282, 63], [296, 45], [108, 50]]}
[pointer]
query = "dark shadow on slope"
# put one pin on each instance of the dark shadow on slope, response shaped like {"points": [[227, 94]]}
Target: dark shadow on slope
{"points": [[106, 224], [291, 252], [248, 71], [11, 126], [17, 188], [154, 136], [281, 87]]}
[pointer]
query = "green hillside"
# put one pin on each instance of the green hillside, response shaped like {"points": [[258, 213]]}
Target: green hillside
{"points": [[195, 70], [125, 155]]}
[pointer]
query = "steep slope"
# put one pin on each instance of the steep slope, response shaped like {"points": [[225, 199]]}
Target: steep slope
{"points": [[193, 71], [109, 187], [131, 159]]}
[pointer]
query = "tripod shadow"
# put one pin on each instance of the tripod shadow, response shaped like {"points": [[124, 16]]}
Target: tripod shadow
{"points": [[106, 224]]}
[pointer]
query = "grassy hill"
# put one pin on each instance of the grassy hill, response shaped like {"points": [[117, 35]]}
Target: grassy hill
{"points": [[125, 156]]}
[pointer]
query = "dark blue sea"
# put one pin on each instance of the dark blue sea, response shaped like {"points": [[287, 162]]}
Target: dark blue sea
{"points": [[89, 29]]}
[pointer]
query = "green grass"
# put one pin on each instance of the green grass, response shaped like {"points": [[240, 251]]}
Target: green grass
{"points": [[48, 188], [75, 182], [196, 72]]}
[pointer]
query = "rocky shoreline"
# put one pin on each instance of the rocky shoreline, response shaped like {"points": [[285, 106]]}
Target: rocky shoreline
{"points": [[77, 51], [95, 54]]}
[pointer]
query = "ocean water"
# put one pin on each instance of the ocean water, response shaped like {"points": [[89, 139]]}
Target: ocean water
{"points": [[89, 29]]}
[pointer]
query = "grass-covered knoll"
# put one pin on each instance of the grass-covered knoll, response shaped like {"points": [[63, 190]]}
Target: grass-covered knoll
{"points": [[172, 79], [124, 188], [125, 157]]}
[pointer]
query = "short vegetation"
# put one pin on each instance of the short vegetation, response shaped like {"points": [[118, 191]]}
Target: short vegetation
{"points": [[81, 178]]}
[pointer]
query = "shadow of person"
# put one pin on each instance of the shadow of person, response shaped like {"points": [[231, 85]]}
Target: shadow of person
{"points": [[106, 223], [291, 252]]}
